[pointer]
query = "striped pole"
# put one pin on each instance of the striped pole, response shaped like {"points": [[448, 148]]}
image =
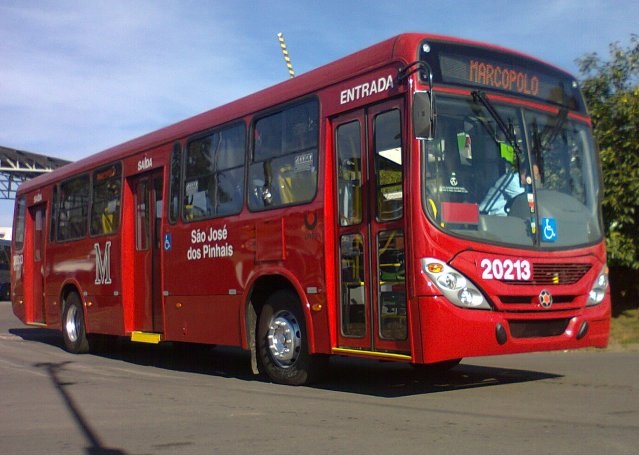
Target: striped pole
{"points": [[287, 59]]}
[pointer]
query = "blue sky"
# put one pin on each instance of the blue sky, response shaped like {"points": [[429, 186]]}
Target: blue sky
{"points": [[78, 76]]}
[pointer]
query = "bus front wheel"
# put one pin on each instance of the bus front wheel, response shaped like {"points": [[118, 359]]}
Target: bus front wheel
{"points": [[73, 327], [282, 342]]}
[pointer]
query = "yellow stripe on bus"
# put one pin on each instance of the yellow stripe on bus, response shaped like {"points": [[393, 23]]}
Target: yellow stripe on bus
{"points": [[146, 337], [379, 355]]}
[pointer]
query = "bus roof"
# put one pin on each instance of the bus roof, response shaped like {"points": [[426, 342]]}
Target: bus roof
{"points": [[401, 48]]}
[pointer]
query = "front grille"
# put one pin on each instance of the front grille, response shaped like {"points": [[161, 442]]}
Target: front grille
{"points": [[548, 274], [534, 299], [537, 329]]}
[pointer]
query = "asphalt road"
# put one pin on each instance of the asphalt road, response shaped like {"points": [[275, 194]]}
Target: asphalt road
{"points": [[139, 399]]}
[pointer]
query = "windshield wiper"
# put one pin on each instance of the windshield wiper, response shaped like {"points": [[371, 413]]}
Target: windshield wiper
{"points": [[549, 137], [519, 155], [508, 133], [543, 140]]}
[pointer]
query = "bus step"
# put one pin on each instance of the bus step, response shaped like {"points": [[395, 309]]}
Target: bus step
{"points": [[146, 337], [37, 324]]}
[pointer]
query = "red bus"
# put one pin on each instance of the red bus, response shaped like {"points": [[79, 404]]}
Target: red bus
{"points": [[423, 200]]}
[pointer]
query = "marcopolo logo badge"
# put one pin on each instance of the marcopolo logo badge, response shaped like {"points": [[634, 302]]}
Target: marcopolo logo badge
{"points": [[545, 299]]}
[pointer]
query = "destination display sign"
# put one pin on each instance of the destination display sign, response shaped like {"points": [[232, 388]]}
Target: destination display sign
{"points": [[493, 69], [504, 77], [467, 70]]}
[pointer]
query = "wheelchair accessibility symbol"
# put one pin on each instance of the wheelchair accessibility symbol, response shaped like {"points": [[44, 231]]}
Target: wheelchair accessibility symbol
{"points": [[549, 229], [168, 242]]}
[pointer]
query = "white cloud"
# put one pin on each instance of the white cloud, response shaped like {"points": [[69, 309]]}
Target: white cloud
{"points": [[109, 69]]}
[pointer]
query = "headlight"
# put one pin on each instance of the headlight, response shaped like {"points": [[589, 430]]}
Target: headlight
{"points": [[598, 291], [455, 286]]}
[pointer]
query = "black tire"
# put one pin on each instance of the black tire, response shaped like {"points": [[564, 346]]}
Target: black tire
{"points": [[282, 343], [73, 327]]}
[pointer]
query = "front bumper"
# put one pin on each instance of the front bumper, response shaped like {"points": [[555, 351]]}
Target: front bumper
{"points": [[450, 332]]}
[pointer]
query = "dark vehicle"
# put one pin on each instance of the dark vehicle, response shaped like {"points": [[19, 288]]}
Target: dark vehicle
{"points": [[5, 284]]}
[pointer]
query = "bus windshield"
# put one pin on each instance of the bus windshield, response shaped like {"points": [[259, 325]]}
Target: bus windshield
{"points": [[530, 182]]}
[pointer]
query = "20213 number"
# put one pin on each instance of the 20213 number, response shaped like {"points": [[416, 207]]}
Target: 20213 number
{"points": [[496, 269]]}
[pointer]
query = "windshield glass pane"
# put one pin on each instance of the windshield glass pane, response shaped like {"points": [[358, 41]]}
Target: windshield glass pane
{"points": [[530, 182]]}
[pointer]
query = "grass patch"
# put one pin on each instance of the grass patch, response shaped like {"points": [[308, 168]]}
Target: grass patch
{"points": [[624, 291], [624, 327]]}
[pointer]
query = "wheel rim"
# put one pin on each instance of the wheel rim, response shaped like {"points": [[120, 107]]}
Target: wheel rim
{"points": [[72, 323], [284, 339]]}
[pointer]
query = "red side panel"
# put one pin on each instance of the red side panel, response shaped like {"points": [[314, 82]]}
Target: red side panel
{"points": [[270, 243]]}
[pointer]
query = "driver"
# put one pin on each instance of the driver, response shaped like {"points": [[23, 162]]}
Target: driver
{"points": [[509, 185]]}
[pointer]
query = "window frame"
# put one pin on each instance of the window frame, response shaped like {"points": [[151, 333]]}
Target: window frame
{"points": [[312, 151], [117, 215], [87, 207], [184, 179]]}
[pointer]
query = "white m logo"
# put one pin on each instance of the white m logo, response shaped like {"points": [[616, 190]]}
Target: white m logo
{"points": [[103, 264]]}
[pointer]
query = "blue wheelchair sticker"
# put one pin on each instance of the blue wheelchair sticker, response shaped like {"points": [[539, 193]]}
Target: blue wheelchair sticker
{"points": [[549, 229], [168, 242]]}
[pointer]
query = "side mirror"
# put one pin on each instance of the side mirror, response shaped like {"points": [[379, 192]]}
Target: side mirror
{"points": [[423, 116]]}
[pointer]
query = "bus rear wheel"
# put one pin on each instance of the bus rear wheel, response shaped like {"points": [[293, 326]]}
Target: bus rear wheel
{"points": [[73, 327], [282, 342]]}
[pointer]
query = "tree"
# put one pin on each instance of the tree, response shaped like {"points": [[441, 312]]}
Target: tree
{"points": [[611, 89]]}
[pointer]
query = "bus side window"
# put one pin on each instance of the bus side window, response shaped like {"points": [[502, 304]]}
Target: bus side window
{"points": [[388, 166], [199, 167], [54, 214], [19, 223], [229, 182], [73, 208], [214, 174], [349, 173], [174, 187], [105, 202], [284, 166]]}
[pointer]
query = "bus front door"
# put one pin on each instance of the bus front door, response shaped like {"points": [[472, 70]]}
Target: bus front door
{"points": [[370, 174]]}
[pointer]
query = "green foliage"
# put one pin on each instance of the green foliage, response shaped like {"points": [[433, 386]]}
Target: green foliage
{"points": [[611, 89]]}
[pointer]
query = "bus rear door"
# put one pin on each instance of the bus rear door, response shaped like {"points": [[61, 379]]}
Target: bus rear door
{"points": [[148, 312], [34, 268]]}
